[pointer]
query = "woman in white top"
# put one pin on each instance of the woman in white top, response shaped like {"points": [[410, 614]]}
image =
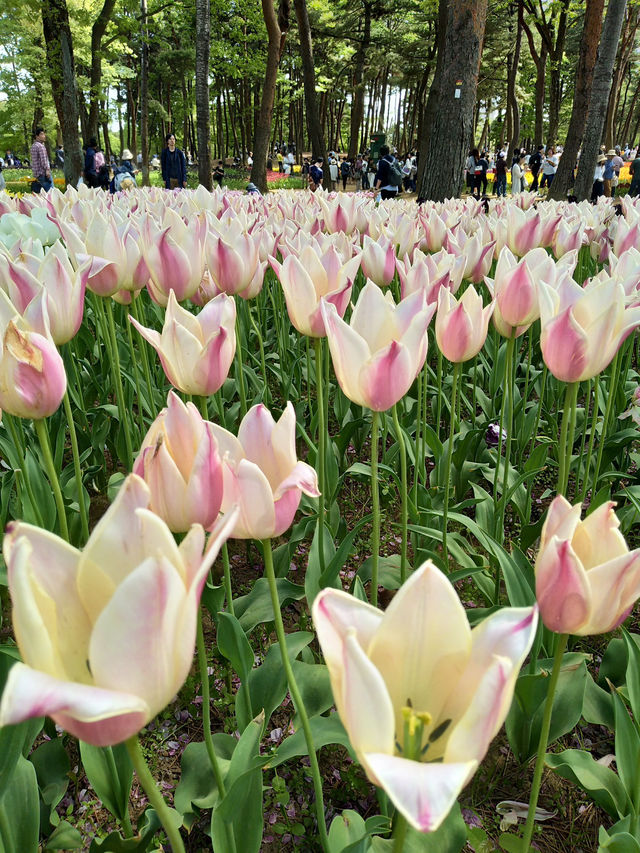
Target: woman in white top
{"points": [[518, 183], [598, 179]]}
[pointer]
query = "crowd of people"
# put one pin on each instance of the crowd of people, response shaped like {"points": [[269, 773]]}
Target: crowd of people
{"points": [[385, 171], [533, 171]]}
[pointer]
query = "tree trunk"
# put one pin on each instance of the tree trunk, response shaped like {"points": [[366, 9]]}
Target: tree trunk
{"points": [[511, 90], [95, 78], [277, 27], [357, 101], [427, 116], [144, 94], [450, 131], [592, 28], [625, 47], [203, 34], [599, 96], [314, 127], [59, 47]]}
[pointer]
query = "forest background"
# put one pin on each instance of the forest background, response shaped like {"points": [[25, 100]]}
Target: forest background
{"points": [[237, 77]]}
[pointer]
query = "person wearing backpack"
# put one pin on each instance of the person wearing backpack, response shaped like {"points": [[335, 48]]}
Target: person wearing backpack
{"points": [[389, 175]]}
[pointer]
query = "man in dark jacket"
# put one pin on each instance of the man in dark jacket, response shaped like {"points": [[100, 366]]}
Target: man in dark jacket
{"points": [[90, 173], [383, 180], [173, 165]]}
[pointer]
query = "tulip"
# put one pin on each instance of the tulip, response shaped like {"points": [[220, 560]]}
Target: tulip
{"points": [[523, 231], [32, 376], [587, 580], [378, 260], [307, 279], [461, 326], [419, 692], [431, 273], [515, 294], [174, 255], [196, 352], [583, 328], [233, 265], [179, 461], [106, 634], [377, 357], [261, 473]]}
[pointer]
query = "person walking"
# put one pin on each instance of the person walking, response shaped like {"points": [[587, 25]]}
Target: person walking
{"points": [[385, 180], [608, 172], [501, 176], [173, 164], [597, 189], [634, 169], [90, 173], [345, 172], [315, 174], [40, 161], [535, 163], [549, 167]]}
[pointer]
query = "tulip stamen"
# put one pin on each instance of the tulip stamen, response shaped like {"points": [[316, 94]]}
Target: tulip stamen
{"points": [[414, 723]]}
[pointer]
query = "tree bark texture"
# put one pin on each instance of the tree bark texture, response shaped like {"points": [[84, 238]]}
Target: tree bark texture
{"points": [[591, 30], [357, 103], [625, 49], [511, 86], [59, 48], [144, 94], [97, 32], [203, 35], [451, 130], [427, 115], [314, 128], [277, 27], [600, 89]]}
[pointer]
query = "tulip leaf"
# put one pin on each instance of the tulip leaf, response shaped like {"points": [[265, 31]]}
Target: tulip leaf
{"points": [[600, 782], [622, 842], [20, 810], [240, 810], [267, 683], [450, 837], [346, 829], [314, 684], [524, 719], [110, 773], [233, 644], [632, 676], [52, 770], [598, 705], [255, 607], [627, 745], [64, 837], [325, 730], [314, 573], [197, 785]]}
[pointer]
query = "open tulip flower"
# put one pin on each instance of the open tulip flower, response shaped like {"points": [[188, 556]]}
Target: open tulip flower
{"points": [[379, 354], [233, 265], [462, 325], [307, 278], [174, 255], [419, 692], [180, 463], [196, 352], [587, 580], [582, 328], [262, 474], [106, 634]]}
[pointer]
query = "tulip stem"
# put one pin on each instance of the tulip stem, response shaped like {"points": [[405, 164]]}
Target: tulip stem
{"points": [[45, 446], [239, 368], [155, 797], [76, 466], [296, 696], [613, 389], [399, 833], [117, 380], [592, 435], [403, 492], [227, 579], [567, 434], [375, 500], [418, 435], [447, 475], [136, 379], [545, 373], [542, 743], [204, 409], [439, 410], [510, 371], [263, 365], [320, 463], [145, 359]]}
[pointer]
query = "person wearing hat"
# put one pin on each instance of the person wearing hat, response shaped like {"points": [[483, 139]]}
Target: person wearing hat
{"points": [[608, 171], [598, 179], [618, 163], [252, 189], [124, 175]]}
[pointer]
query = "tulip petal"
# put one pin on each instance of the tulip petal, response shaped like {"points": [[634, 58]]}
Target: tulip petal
{"points": [[365, 709], [387, 376], [423, 793], [93, 714], [598, 539], [349, 352], [135, 642], [562, 588], [615, 586], [423, 643]]}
